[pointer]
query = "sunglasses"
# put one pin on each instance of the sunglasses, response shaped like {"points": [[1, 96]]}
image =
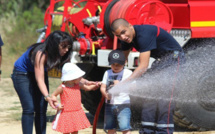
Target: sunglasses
{"points": [[63, 46]]}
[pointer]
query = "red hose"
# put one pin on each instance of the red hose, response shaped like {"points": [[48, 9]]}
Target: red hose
{"points": [[97, 114], [172, 94]]}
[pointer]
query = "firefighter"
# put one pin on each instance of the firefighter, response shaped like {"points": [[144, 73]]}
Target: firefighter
{"points": [[151, 41]]}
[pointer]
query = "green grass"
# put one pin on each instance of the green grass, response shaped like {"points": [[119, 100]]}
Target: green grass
{"points": [[16, 116], [15, 108], [17, 102], [19, 32], [54, 83]]}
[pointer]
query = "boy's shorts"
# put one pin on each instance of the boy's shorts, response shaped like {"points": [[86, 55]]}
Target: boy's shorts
{"points": [[117, 116]]}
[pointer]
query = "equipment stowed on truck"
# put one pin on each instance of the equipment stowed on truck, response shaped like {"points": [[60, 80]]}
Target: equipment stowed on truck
{"points": [[88, 22]]}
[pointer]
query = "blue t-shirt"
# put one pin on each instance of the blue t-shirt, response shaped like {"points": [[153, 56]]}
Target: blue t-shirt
{"points": [[146, 39], [23, 64], [1, 42]]}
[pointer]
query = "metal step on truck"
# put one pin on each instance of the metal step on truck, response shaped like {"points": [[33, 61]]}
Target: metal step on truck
{"points": [[190, 22]]}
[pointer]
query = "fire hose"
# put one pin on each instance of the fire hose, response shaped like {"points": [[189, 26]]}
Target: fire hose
{"points": [[97, 114], [103, 99], [173, 87]]}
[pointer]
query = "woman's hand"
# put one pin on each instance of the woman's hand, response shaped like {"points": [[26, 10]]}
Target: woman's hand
{"points": [[54, 98], [51, 102]]}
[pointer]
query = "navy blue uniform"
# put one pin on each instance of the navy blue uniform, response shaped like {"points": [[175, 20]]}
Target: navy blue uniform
{"points": [[157, 118], [146, 39]]}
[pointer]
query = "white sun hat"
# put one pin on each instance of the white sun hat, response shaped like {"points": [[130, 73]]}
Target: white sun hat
{"points": [[71, 71]]}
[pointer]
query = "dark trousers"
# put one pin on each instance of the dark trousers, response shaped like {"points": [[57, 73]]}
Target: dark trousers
{"points": [[33, 103], [157, 117], [157, 114]]}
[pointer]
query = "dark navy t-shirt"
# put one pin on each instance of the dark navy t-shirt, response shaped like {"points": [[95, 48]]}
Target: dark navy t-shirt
{"points": [[146, 39], [23, 64]]}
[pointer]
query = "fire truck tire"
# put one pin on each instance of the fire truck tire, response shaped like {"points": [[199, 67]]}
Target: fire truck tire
{"points": [[200, 113]]}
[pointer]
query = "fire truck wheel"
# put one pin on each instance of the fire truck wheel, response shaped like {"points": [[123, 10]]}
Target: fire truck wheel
{"points": [[197, 112], [91, 99], [200, 113]]}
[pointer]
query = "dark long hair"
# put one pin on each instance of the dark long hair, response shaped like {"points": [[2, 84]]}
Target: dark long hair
{"points": [[51, 47]]}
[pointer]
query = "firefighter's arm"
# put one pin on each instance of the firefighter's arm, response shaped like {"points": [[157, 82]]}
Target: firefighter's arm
{"points": [[144, 58], [126, 53], [39, 75]]}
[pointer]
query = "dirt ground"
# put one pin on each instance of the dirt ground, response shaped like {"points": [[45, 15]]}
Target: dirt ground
{"points": [[10, 115]]}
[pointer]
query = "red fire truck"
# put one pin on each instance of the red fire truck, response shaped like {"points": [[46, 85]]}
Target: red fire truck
{"points": [[88, 22]]}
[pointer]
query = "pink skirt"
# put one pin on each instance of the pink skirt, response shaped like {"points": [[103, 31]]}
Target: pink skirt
{"points": [[68, 122]]}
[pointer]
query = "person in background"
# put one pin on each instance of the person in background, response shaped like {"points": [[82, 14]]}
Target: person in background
{"points": [[1, 44], [30, 78], [70, 117], [117, 106], [151, 41]]}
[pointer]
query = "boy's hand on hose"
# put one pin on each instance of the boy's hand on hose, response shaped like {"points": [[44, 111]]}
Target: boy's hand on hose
{"points": [[116, 82], [108, 96]]}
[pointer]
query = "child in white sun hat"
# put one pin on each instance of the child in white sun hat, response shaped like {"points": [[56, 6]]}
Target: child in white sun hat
{"points": [[71, 117]]}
